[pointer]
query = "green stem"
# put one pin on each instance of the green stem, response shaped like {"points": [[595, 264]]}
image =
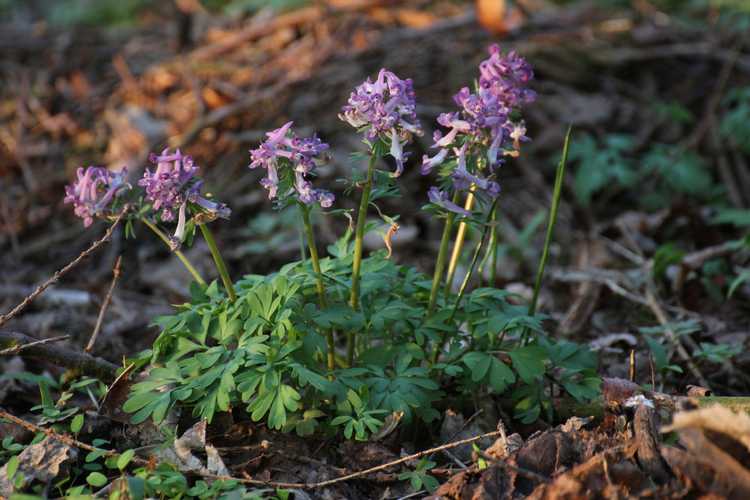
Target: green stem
{"points": [[330, 355], [221, 267], [359, 235], [493, 249], [440, 262], [458, 245], [185, 262], [490, 255], [556, 195], [464, 284]]}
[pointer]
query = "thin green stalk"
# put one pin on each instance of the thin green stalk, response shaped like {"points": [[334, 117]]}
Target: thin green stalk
{"points": [[331, 346], [458, 246], [221, 267], [442, 254], [491, 252], [185, 262], [493, 246], [359, 234], [556, 195], [464, 284]]}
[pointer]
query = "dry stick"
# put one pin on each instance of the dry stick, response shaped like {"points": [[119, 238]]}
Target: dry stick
{"points": [[60, 356], [361, 473], [695, 260], [84, 446], [661, 316], [64, 438], [59, 274], [105, 304], [12, 351], [257, 28]]}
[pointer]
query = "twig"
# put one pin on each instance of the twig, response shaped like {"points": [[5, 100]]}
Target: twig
{"points": [[68, 358], [661, 316], [273, 484], [105, 304], [696, 259], [12, 351], [59, 274], [354, 475], [258, 28], [64, 438]]}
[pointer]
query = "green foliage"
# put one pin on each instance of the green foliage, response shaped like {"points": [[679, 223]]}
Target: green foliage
{"points": [[735, 216], [664, 170], [655, 337], [741, 278], [735, 124], [420, 478], [96, 479], [99, 12], [266, 232], [680, 171], [717, 353], [265, 351], [356, 420], [237, 7], [598, 166], [9, 446], [665, 256]]}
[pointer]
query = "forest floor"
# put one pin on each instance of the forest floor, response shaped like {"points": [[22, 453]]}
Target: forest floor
{"points": [[648, 265]]}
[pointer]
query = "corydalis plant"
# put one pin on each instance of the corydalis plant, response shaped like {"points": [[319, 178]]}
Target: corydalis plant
{"points": [[172, 190], [273, 351], [95, 191], [482, 127], [172, 185], [290, 162], [480, 135], [384, 110]]}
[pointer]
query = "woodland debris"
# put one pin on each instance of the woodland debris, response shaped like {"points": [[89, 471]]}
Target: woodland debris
{"points": [[39, 462], [714, 418], [60, 356], [645, 424]]}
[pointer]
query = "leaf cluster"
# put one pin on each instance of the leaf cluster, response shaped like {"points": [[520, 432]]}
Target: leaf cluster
{"points": [[264, 353]]}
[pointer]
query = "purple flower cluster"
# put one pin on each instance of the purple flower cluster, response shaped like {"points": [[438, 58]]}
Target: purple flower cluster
{"points": [[506, 76], [173, 184], [282, 149], [94, 191], [385, 109], [483, 125]]}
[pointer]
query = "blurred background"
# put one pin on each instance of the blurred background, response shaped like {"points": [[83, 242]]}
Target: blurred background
{"points": [[658, 93]]}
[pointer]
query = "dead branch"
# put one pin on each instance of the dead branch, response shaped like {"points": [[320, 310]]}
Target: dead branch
{"points": [[258, 28], [273, 484], [62, 272], [29, 347], [12, 351], [661, 316], [102, 310], [63, 438]]}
